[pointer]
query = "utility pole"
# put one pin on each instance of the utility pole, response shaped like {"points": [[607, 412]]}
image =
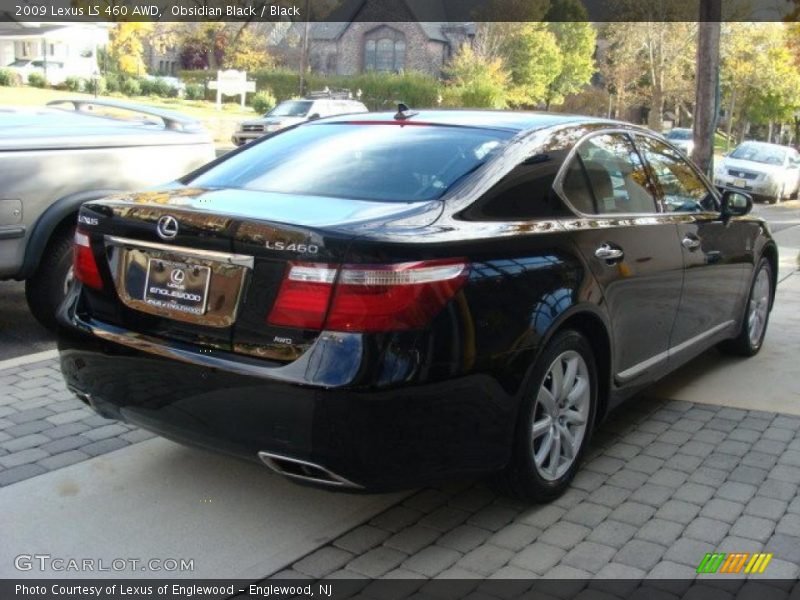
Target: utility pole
{"points": [[304, 50], [706, 109]]}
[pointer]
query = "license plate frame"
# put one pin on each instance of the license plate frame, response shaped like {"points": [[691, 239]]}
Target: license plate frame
{"points": [[177, 286], [740, 183]]}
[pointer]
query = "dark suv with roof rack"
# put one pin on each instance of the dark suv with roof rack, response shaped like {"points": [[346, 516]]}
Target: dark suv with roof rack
{"points": [[448, 293]]}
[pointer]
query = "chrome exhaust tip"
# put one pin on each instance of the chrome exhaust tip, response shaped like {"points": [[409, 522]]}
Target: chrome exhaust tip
{"points": [[303, 470]]}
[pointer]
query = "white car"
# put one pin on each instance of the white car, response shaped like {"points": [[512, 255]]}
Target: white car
{"points": [[55, 72], [768, 172], [681, 138]]}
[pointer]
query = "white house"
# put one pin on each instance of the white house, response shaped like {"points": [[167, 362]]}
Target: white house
{"points": [[69, 47]]}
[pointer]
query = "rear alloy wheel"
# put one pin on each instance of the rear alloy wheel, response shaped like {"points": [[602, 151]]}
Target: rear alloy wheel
{"points": [[47, 287], [560, 415], [756, 316], [555, 420]]}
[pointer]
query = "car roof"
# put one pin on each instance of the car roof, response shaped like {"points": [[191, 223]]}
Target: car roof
{"points": [[45, 127], [488, 119]]}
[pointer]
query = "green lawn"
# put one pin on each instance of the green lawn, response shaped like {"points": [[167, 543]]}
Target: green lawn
{"points": [[220, 123]]}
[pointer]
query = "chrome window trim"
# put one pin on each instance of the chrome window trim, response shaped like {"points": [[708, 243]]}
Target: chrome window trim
{"points": [[629, 133], [639, 368]]}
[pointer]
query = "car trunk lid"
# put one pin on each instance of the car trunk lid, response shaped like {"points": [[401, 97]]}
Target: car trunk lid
{"points": [[205, 266]]}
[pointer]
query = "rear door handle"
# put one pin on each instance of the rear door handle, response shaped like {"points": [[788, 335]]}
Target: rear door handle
{"points": [[609, 252], [690, 243]]}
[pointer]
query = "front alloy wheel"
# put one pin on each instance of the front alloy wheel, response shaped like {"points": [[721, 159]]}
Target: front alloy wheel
{"points": [[756, 314], [758, 308], [554, 422]]}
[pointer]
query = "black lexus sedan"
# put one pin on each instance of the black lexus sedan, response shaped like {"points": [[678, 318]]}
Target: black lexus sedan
{"points": [[380, 301]]}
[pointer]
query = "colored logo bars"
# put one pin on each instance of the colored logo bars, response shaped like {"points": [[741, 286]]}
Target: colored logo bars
{"points": [[742, 562]]}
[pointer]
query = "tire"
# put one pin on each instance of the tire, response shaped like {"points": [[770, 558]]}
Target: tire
{"points": [[532, 474], [751, 334], [46, 288]]}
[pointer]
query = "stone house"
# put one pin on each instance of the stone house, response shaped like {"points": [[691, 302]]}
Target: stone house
{"points": [[361, 41]]}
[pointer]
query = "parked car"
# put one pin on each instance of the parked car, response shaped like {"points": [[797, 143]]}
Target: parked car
{"points": [[682, 138], [52, 160], [53, 71], [470, 294], [292, 112], [768, 172]]}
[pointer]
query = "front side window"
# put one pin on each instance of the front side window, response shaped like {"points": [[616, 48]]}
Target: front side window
{"points": [[606, 176], [383, 162], [682, 188]]}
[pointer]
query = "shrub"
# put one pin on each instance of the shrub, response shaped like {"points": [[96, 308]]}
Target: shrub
{"points": [[263, 102], [73, 84], [113, 83], [9, 78], [195, 91], [163, 89], [146, 87], [99, 83], [131, 87], [36, 79]]}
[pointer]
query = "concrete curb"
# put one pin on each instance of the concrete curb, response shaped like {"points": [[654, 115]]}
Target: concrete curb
{"points": [[27, 359]]}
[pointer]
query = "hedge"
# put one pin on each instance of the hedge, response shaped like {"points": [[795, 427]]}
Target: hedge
{"points": [[379, 91]]}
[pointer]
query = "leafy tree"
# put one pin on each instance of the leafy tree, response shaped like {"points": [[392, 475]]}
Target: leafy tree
{"points": [[576, 41], [247, 51], [533, 59], [659, 59], [759, 75], [125, 46], [476, 81]]}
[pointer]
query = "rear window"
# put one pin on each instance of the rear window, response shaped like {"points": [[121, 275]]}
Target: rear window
{"points": [[385, 162]]}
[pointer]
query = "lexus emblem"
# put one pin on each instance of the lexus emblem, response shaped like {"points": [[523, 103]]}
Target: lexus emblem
{"points": [[177, 276], [167, 227]]}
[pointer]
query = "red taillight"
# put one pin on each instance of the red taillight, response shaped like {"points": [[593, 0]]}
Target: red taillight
{"points": [[366, 298], [84, 265], [304, 295]]}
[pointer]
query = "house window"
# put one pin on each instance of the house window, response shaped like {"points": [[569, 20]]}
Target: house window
{"points": [[384, 50]]}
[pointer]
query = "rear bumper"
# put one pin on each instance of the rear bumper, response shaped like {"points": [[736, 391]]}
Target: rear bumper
{"points": [[377, 439]]}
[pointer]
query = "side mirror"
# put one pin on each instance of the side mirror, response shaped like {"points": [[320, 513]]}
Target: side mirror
{"points": [[314, 117], [736, 204]]}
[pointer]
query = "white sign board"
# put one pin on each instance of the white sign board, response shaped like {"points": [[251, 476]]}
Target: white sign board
{"points": [[231, 83]]}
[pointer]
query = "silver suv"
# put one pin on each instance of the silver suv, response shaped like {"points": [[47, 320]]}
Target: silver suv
{"points": [[54, 159], [291, 112]]}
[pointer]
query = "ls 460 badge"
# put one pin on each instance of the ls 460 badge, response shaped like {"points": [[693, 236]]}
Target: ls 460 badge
{"points": [[292, 247]]}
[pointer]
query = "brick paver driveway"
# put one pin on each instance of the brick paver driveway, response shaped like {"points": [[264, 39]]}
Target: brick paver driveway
{"points": [[44, 427], [664, 484]]}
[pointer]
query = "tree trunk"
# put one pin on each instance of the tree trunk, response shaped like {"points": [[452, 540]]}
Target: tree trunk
{"points": [[706, 109], [769, 132], [656, 117], [731, 108]]}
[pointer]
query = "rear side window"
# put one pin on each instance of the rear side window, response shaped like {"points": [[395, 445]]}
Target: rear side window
{"points": [[385, 162], [606, 176]]}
